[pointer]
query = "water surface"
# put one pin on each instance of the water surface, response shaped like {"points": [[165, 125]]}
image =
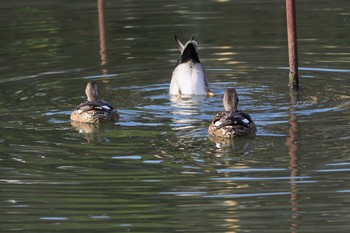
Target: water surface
{"points": [[157, 170]]}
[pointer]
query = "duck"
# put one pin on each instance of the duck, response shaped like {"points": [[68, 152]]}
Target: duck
{"points": [[232, 122], [94, 110], [188, 77]]}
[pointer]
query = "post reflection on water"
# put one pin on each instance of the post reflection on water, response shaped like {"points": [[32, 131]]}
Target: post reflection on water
{"points": [[292, 145], [102, 34]]}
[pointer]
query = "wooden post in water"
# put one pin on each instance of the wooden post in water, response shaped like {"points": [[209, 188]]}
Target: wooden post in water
{"points": [[292, 45]]}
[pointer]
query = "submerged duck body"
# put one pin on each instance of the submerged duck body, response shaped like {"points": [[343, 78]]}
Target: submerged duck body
{"points": [[232, 122], [94, 110], [188, 77]]}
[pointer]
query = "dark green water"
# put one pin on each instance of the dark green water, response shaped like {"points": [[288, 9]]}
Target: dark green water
{"points": [[156, 170]]}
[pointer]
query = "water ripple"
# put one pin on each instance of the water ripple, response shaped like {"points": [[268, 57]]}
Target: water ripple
{"points": [[319, 69], [247, 195], [229, 170], [260, 178]]}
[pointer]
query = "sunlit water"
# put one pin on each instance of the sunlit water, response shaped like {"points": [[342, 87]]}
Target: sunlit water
{"points": [[156, 170]]}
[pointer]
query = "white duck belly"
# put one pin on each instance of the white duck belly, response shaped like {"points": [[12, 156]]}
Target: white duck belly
{"points": [[188, 79]]}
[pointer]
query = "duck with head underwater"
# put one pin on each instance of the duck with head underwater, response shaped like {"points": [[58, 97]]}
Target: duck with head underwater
{"points": [[232, 122], [94, 110], [188, 77]]}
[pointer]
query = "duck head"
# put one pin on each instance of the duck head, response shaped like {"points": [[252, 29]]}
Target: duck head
{"points": [[230, 100], [189, 51], [91, 91]]}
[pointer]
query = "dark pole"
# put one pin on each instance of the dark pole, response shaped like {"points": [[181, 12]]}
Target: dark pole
{"points": [[292, 44]]}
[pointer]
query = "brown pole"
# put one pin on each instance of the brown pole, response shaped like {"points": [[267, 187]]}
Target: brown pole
{"points": [[292, 44]]}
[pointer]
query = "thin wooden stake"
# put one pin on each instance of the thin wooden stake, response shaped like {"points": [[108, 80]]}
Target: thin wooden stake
{"points": [[292, 44]]}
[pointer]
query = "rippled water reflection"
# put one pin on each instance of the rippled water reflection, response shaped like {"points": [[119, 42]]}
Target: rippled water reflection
{"points": [[157, 170]]}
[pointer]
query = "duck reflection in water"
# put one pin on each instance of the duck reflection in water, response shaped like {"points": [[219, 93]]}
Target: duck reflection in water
{"points": [[93, 132], [186, 111], [232, 122]]}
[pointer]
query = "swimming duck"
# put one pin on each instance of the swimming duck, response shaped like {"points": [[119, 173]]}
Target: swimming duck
{"points": [[94, 110], [232, 122], [188, 77]]}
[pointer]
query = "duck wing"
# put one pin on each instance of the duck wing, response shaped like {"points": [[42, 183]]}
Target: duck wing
{"points": [[94, 105], [232, 118]]}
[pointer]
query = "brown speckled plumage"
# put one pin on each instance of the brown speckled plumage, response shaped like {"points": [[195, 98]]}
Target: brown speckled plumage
{"points": [[232, 122], [94, 110]]}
